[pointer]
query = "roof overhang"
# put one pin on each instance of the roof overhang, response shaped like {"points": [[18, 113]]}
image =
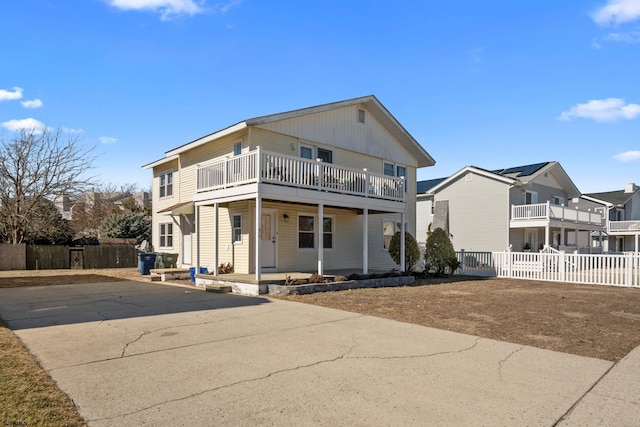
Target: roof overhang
{"points": [[184, 208], [160, 162]]}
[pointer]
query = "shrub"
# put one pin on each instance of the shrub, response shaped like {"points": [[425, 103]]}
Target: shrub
{"points": [[439, 254], [411, 250]]}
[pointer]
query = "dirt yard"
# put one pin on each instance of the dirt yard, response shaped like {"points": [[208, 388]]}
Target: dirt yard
{"points": [[594, 321]]}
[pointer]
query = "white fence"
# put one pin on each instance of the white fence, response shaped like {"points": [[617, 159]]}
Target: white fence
{"points": [[593, 269]]}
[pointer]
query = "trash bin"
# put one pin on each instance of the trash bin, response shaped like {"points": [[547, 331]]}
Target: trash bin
{"points": [[146, 261], [192, 272]]}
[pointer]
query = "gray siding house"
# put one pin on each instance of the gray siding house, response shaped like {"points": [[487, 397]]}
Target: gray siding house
{"points": [[523, 208]]}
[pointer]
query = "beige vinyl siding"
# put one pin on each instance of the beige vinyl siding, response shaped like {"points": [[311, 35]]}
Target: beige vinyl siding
{"points": [[379, 258], [159, 204], [478, 213], [206, 229], [339, 128], [190, 160], [424, 217], [238, 253]]}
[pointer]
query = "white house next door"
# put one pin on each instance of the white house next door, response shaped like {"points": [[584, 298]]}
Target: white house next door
{"points": [[268, 239]]}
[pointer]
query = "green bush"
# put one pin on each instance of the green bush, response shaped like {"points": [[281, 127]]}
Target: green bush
{"points": [[439, 254], [411, 250]]}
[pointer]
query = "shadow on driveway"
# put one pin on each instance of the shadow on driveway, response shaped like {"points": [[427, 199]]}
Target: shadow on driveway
{"points": [[42, 306]]}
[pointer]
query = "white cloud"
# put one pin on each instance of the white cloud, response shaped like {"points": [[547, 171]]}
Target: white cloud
{"points": [[107, 140], [617, 11], [603, 110], [7, 95], [71, 130], [18, 125], [628, 156], [35, 103], [628, 37], [167, 9]]}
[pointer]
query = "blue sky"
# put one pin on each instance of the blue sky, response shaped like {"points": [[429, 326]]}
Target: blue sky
{"points": [[492, 84]]}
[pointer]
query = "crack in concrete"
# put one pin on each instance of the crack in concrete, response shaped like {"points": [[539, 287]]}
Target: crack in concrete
{"points": [[503, 361], [343, 356]]}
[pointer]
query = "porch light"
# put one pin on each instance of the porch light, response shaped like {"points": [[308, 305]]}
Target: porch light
{"points": [[286, 217]]}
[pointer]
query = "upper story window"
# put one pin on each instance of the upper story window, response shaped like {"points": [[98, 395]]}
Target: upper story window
{"points": [[306, 152], [237, 148], [325, 155], [389, 169], [360, 115], [401, 171], [530, 197], [557, 200], [166, 184]]}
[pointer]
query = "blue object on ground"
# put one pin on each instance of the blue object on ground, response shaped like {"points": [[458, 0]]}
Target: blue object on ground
{"points": [[146, 261]]}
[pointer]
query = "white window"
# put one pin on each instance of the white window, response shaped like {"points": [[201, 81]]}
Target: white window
{"points": [[360, 115], [325, 155], [557, 200], [166, 184], [389, 169], [389, 229], [237, 148], [166, 235], [307, 231], [236, 223]]}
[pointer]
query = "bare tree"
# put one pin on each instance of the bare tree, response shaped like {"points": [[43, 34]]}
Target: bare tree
{"points": [[35, 165]]}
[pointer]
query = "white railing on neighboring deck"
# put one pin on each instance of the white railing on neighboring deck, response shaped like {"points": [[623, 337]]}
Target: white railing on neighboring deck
{"points": [[550, 211], [623, 226], [269, 167]]}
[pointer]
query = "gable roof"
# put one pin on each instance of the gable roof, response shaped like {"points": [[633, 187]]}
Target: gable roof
{"points": [[518, 175], [424, 186], [373, 105], [615, 198]]}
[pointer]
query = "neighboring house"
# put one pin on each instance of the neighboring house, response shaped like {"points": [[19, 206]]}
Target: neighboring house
{"points": [[68, 205], [622, 212], [318, 189], [523, 207]]}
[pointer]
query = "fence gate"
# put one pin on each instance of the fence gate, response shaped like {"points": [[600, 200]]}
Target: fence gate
{"points": [[76, 258]]}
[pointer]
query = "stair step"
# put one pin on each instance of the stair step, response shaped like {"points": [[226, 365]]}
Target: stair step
{"points": [[218, 288]]}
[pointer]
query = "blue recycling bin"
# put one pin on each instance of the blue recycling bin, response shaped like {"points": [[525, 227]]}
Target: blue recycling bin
{"points": [[192, 272], [146, 261]]}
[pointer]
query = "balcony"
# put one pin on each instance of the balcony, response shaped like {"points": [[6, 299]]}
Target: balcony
{"points": [[260, 166], [623, 227], [547, 212]]}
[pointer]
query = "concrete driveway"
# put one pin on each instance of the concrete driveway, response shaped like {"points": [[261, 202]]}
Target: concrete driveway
{"points": [[133, 353]]}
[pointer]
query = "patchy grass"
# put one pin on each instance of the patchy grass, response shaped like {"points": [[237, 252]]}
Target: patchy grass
{"points": [[29, 396]]}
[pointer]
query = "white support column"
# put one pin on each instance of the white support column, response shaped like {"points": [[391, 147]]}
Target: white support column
{"points": [[365, 241], [216, 242], [320, 233], [563, 240], [637, 237], [402, 243], [546, 237], [197, 228], [257, 237]]}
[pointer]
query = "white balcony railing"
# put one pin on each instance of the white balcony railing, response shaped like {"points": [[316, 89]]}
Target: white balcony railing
{"points": [[274, 168], [548, 211], [631, 227]]}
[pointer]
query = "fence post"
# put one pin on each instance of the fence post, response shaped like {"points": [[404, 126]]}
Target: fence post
{"points": [[629, 275], [509, 255], [562, 266], [462, 264]]}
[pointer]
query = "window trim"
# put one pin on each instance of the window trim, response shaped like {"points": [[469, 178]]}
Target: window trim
{"points": [[237, 144], [397, 225], [234, 229], [316, 232], [161, 176], [166, 235], [318, 149]]}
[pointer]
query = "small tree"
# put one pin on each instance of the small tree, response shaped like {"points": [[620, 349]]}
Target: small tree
{"points": [[128, 225], [439, 254], [411, 250]]}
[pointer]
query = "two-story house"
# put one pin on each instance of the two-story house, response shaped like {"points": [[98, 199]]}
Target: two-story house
{"points": [[621, 209], [524, 207], [318, 189]]}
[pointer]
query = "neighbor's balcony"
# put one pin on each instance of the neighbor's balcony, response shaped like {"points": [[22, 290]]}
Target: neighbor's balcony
{"points": [[623, 227], [273, 168], [548, 211]]}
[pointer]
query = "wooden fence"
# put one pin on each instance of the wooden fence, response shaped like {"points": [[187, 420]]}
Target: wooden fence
{"points": [[45, 257]]}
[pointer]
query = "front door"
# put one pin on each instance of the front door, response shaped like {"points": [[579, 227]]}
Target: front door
{"points": [[268, 239]]}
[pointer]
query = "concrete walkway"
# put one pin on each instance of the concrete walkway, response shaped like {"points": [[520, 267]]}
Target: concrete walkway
{"points": [[132, 353]]}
